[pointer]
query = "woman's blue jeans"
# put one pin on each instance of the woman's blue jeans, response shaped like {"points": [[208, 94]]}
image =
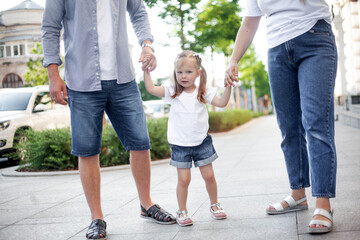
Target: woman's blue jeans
{"points": [[302, 75]]}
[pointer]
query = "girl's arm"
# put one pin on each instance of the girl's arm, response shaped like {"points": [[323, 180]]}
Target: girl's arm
{"points": [[243, 40], [223, 100], [158, 91]]}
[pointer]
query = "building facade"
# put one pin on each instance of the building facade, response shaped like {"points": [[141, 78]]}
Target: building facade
{"points": [[20, 29], [347, 31]]}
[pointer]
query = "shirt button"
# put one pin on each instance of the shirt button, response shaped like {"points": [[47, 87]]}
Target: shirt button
{"points": [[95, 47]]}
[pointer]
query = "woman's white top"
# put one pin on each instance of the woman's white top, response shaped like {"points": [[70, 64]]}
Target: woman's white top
{"points": [[287, 19], [188, 123]]}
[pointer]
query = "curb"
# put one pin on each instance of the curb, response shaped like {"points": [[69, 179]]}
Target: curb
{"points": [[11, 171]]}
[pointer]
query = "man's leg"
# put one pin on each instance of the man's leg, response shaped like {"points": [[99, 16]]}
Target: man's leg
{"points": [[89, 169], [140, 167]]}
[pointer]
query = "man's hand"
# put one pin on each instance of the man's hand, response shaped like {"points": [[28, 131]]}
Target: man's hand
{"points": [[231, 74], [148, 59], [57, 86]]}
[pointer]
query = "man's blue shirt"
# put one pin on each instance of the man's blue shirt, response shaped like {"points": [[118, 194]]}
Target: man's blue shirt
{"points": [[78, 20]]}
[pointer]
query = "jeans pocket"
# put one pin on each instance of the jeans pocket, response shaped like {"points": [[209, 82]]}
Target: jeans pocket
{"points": [[315, 32]]}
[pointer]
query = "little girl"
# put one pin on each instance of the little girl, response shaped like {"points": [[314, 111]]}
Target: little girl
{"points": [[188, 128]]}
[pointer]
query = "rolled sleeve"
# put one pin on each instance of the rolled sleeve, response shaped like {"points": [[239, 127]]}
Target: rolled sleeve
{"points": [[50, 31], [139, 20], [252, 9]]}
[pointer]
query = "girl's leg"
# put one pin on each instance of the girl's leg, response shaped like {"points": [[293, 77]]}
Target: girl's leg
{"points": [[184, 177], [208, 175]]}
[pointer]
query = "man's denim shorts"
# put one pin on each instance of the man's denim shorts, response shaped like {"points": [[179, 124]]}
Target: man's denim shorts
{"points": [[123, 105], [203, 154]]}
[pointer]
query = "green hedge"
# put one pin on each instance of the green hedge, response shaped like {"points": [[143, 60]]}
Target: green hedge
{"points": [[229, 119], [50, 149]]}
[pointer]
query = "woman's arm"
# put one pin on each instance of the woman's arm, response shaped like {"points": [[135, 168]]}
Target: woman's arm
{"points": [[223, 100], [158, 91], [243, 40]]}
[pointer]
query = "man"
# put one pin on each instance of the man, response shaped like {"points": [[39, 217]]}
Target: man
{"points": [[100, 77]]}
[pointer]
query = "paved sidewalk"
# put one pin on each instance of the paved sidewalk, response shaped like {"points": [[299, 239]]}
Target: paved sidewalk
{"points": [[250, 173]]}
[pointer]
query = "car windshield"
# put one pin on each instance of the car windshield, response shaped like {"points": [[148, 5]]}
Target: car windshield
{"points": [[14, 101], [155, 107]]}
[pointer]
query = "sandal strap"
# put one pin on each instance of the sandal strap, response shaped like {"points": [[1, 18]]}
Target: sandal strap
{"points": [[184, 215], [277, 206], [96, 228], [320, 222], [291, 201], [156, 212], [324, 213], [219, 208]]}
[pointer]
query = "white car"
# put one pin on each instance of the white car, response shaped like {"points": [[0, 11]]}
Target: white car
{"points": [[24, 108], [159, 108]]}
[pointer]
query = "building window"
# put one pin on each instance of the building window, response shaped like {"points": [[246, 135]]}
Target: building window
{"points": [[16, 50], [8, 51], [22, 49], [12, 50], [12, 80], [2, 51]]}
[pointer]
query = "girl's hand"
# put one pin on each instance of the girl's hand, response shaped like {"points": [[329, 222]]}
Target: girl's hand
{"points": [[231, 74], [148, 59]]}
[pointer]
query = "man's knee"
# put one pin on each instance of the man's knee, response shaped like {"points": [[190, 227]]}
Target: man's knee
{"points": [[140, 154]]}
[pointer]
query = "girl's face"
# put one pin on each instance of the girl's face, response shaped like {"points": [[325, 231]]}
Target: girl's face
{"points": [[186, 73]]}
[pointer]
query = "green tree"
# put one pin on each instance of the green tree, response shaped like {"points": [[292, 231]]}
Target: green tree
{"points": [[251, 69], [36, 73], [180, 14], [216, 26], [150, 3]]}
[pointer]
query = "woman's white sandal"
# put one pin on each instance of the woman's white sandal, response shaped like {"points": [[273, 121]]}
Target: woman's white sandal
{"points": [[327, 225], [219, 213], [183, 219], [293, 206]]}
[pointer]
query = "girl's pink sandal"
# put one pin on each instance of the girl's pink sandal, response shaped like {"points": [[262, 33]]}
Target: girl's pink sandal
{"points": [[183, 219], [219, 213]]}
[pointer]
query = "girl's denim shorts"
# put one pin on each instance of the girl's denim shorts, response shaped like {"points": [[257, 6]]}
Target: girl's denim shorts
{"points": [[203, 154]]}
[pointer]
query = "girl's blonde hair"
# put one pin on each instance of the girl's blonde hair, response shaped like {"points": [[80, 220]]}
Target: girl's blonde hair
{"points": [[202, 87]]}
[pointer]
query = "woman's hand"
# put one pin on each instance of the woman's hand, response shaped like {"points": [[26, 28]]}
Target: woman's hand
{"points": [[231, 74]]}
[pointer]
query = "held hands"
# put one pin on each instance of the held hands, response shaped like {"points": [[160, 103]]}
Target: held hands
{"points": [[148, 59], [231, 74]]}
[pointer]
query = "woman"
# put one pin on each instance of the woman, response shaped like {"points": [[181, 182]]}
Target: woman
{"points": [[302, 63]]}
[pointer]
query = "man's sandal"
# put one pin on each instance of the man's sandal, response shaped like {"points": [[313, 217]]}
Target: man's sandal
{"points": [[293, 206], [96, 230], [157, 214], [219, 213], [327, 226]]}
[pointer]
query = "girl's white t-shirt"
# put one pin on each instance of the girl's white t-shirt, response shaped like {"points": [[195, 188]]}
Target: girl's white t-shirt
{"points": [[188, 123], [287, 19], [106, 40]]}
